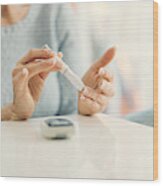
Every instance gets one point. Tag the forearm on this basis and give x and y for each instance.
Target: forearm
(6, 112)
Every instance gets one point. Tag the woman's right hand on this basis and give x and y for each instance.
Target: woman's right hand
(28, 80)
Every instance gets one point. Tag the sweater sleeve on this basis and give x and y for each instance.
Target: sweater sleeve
(68, 43)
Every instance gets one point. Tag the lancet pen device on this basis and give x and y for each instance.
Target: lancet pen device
(69, 74)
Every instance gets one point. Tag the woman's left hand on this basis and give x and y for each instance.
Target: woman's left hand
(99, 86)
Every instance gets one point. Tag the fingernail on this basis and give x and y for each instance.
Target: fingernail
(101, 71)
(85, 91)
(61, 54)
(51, 53)
(24, 71)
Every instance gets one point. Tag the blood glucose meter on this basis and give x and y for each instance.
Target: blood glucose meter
(60, 128)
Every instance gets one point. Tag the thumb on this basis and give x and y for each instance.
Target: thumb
(20, 81)
(105, 59)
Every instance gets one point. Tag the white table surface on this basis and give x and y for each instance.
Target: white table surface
(103, 147)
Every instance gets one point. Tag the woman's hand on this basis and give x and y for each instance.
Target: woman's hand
(28, 80)
(95, 97)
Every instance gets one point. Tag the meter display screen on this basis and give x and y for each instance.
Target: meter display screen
(58, 122)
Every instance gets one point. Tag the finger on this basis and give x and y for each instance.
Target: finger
(92, 94)
(20, 80)
(91, 105)
(60, 54)
(44, 75)
(36, 54)
(106, 88)
(105, 59)
(37, 68)
(55, 68)
(34, 68)
(105, 74)
(55, 59)
(18, 73)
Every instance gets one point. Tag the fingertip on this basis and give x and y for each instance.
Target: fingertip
(110, 53)
(60, 54)
(105, 59)
(113, 48)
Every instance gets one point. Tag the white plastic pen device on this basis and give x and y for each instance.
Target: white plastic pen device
(69, 74)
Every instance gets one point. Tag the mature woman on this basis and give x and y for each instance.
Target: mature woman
(30, 88)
